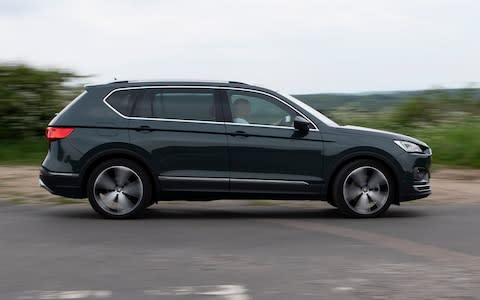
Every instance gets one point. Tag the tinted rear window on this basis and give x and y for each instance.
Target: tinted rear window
(122, 101)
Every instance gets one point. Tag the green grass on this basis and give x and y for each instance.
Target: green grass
(29, 151)
(454, 144)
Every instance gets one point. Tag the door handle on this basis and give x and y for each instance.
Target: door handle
(239, 133)
(144, 128)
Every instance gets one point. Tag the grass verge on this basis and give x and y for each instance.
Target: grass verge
(454, 144)
(29, 151)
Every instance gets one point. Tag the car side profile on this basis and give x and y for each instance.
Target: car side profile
(126, 145)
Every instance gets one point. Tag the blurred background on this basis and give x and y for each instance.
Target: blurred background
(446, 119)
(406, 66)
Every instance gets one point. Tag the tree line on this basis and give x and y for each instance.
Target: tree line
(30, 97)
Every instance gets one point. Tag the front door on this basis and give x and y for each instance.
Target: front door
(266, 154)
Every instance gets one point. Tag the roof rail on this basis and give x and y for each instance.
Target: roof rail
(165, 80)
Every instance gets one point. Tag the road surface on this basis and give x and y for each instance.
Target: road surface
(233, 251)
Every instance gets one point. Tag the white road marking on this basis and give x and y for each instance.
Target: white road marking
(343, 288)
(53, 295)
(227, 292)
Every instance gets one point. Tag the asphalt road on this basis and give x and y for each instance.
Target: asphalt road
(238, 252)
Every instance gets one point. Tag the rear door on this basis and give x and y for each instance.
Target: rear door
(267, 155)
(179, 128)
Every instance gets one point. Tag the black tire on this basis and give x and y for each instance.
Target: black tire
(384, 188)
(136, 177)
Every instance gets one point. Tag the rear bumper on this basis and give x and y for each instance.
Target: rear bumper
(62, 184)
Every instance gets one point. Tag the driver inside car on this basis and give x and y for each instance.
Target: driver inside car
(241, 110)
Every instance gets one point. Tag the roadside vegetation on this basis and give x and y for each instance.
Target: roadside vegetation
(448, 120)
(29, 98)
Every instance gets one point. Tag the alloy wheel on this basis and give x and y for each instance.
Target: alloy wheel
(366, 190)
(118, 190)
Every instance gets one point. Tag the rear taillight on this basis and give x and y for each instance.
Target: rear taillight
(57, 133)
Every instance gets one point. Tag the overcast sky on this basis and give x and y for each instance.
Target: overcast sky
(295, 46)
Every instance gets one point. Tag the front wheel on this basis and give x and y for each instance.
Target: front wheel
(119, 189)
(364, 188)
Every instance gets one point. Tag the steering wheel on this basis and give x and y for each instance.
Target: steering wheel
(284, 121)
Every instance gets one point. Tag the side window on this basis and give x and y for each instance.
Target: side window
(121, 101)
(255, 108)
(142, 107)
(183, 104)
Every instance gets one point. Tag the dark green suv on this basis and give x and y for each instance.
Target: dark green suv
(126, 145)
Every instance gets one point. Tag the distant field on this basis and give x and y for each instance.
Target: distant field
(376, 101)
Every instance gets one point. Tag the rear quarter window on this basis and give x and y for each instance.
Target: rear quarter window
(121, 101)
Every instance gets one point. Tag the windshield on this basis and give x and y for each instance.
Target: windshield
(311, 110)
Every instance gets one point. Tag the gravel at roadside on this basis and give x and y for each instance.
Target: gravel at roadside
(20, 184)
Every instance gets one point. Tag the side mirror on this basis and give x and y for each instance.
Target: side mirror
(301, 124)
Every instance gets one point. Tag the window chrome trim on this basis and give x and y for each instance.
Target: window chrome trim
(199, 121)
(261, 125)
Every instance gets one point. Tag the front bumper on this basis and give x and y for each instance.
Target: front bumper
(416, 178)
(416, 192)
(62, 184)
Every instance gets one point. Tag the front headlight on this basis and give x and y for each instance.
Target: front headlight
(409, 146)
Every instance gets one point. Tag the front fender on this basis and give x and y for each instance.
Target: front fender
(334, 162)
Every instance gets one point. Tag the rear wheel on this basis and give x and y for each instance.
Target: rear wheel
(364, 188)
(119, 189)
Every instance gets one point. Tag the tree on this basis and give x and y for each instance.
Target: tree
(30, 97)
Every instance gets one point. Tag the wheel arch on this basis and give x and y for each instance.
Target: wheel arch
(115, 152)
(384, 158)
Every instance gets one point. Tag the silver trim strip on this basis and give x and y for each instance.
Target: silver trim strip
(422, 187)
(62, 174)
(272, 181)
(203, 122)
(43, 185)
(235, 180)
(219, 179)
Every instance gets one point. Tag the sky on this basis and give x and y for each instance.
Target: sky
(299, 46)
